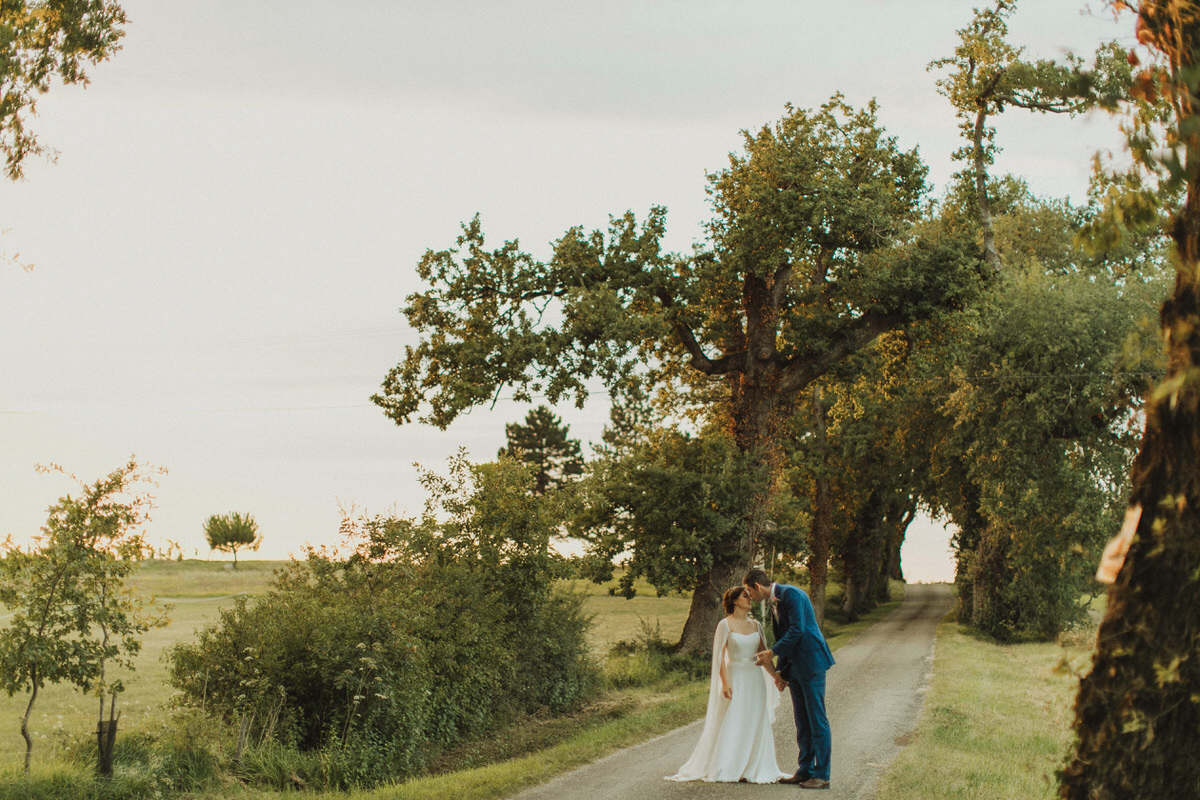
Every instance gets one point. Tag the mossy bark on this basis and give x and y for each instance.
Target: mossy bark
(1138, 710)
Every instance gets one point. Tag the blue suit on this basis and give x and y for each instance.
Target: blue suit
(803, 657)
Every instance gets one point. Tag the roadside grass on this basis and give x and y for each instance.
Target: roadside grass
(996, 722)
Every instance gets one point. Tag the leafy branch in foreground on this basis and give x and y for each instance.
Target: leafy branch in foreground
(41, 40)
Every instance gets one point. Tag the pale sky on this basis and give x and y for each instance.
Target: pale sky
(223, 246)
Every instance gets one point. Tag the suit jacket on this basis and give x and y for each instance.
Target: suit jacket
(799, 644)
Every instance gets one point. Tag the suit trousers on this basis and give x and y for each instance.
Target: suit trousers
(813, 736)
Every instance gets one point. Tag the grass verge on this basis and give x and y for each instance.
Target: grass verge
(996, 722)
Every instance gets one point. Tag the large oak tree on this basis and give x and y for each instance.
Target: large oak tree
(817, 245)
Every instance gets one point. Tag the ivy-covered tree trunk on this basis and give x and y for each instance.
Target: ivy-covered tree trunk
(1138, 710)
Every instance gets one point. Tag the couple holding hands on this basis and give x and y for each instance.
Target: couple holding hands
(737, 744)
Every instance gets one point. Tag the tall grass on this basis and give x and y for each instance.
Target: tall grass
(996, 721)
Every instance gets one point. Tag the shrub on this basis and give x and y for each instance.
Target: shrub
(647, 659)
(429, 633)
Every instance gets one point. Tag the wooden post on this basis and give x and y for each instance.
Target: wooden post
(106, 739)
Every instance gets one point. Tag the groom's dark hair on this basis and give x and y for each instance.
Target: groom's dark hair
(756, 577)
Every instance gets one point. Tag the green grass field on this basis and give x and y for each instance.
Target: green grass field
(195, 592)
(995, 724)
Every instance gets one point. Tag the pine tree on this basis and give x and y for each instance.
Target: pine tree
(542, 442)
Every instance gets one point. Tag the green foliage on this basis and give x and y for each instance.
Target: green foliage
(429, 633)
(987, 75)
(675, 505)
(543, 444)
(72, 614)
(232, 532)
(41, 40)
(1045, 424)
(814, 250)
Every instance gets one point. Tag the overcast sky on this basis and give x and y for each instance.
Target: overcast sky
(242, 194)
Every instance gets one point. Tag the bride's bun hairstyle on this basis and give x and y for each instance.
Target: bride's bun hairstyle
(731, 596)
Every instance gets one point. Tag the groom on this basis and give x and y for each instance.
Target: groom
(803, 658)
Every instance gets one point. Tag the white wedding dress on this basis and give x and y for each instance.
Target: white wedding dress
(737, 741)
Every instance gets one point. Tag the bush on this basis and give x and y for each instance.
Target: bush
(646, 660)
(353, 671)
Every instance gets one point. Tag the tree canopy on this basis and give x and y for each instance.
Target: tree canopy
(232, 532)
(816, 246)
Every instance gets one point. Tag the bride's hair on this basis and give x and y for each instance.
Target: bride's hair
(731, 596)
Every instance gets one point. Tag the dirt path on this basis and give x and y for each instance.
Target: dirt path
(874, 697)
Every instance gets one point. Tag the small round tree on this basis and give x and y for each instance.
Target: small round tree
(232, 532)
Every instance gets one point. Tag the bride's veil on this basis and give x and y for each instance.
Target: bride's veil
(696, 766)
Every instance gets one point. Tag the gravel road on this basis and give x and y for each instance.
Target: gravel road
(874, 695)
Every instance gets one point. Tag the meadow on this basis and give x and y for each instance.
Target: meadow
(192, 594)
(995, 724)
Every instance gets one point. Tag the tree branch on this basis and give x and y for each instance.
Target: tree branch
(800, 371)
(731, 362)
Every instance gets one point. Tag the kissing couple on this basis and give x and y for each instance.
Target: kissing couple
(737, 744)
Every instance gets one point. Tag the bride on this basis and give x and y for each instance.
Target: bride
(737, 743)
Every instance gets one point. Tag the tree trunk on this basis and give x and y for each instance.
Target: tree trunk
(821, 532)
(965, 542)
(982, 202)
(706, 609)
(754, 420)
(33, 693)
(864, 557)
(755, 405)
(106, 740)
(894, 570)
(1138, 710)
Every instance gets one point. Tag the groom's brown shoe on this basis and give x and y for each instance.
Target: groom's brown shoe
(815, 783)
(798, 780)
